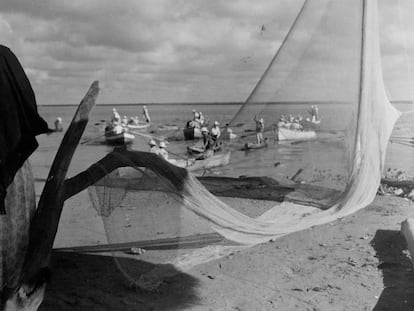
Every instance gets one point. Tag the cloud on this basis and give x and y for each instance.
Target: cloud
(160, 50)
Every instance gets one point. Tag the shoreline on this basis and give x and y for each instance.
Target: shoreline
(231, 103)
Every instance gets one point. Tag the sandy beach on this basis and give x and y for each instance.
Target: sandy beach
(359, 262)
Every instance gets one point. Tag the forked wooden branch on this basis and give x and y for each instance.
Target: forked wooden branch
(121, 158)
(46, 219)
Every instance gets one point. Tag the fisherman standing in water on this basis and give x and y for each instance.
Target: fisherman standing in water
(146, 114)
(259, 129)
(116, 118)
(208, 144)
(58, 125)
(215, 131)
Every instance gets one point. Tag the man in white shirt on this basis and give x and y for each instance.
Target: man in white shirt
(215, 131)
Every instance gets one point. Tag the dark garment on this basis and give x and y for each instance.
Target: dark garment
(259, 127)
(208, 142)
(19, 119)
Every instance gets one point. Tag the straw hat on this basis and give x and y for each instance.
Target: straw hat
(152, 143)
(216, 123)
(204, 130)
(162, 144)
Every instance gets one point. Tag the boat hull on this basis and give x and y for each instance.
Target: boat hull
(119, 139)
(192, 133)
(249, 146)
(197, 148)
(288, 134)
(140, 126)
(211, 162)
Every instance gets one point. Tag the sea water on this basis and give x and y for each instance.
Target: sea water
(323, 161)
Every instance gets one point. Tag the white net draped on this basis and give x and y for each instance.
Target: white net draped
(331, 55)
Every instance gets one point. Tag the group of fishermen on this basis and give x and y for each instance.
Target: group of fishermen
(198, 120)
(160, 150)
(210, 141)
(118, 124)
(296, 123)
(291, 122)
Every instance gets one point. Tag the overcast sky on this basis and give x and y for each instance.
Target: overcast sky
(171, 50)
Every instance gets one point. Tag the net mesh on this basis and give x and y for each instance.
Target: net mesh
(330, 58)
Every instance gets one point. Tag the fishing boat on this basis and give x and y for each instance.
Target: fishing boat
(288, 134)
(191, 133)
(249, 146)
(119, 139)
(193, 164)
(139, 126)
(117, 135)
(198, 147)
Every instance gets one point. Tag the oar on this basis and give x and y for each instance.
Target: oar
(297, 174)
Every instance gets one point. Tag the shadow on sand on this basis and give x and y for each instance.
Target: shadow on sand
(91, 282)
(398, 275)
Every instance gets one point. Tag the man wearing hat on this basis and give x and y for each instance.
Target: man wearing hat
(259, 129)
(162, 152)
(208, 143)
(153, 146)
(116, 118)
(146, 114)
(215, 131)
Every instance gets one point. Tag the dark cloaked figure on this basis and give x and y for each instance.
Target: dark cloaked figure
(19, 120)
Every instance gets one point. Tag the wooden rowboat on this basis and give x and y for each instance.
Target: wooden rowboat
(288, 134)
(139, 126)
(193, 164)
(249, 146)
(198, 148)
(119, 139)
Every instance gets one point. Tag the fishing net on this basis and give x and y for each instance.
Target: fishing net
(161, 219)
